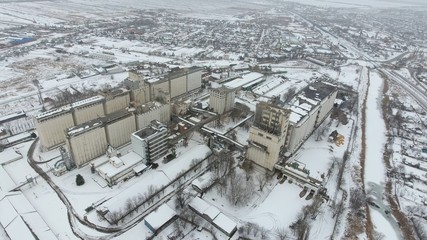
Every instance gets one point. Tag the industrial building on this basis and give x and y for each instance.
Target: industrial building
(150, 111)
(308, 110)
(116, 100)
(267, 135)
(150, 142)
(118, 168)
(88, 109)
(160, 218)
(214, 216)
(175, 83)
(221, 99)
(52, 125)
(90, 140)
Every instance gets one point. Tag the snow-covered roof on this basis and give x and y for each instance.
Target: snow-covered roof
(18, 216)
(87, 101)
(129, 161)
(199, 205)
(217, 217)
(225, 223)
(53, 112)
(160, 216)
(244, 80)
(9, 155)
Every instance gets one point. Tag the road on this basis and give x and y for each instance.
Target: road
(417, 91)
(75, 220)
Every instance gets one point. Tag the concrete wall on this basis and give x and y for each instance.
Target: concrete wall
(155, 88)
(297, 134)
(138, 147)
(117, 103)
(270, 156)
(194, 81)
(161, 114)
(52, 131)
(326, 107)
(87, 146)
(221, 102)
(87, 113)
(178, 86)
(118, 133)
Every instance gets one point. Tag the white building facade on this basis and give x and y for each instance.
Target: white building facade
(221, 99)
(150, 142)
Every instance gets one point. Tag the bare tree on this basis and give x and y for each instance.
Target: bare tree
(181, 198)
(262, 181)
(238, 189)
(357, 198)
(281, 233)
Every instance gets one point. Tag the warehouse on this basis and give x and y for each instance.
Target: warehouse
(213, 216)
(160, 218)
(119, 168)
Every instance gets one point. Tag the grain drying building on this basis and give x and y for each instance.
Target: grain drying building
(267, 135)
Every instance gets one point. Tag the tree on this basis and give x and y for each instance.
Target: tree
(181, 198)
(357, 198)
(281, 233)
(262, 181)
(238, 190)
(80, 180)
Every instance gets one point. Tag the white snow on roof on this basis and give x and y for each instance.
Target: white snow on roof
(244, 80)
(6, 183)
(160, 216)
(212, 212)
(7, 212)
(199, 204)
(217, 217)
(139, 168)
(9, 155)
(128, 160)
(18, 230)
(54, 111)
(87, 101)
(225, 223)
(18, 216)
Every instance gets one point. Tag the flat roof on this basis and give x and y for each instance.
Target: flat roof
(99, 122)
(160, 216)
(87, 101)
(244, 80)
(129, 161)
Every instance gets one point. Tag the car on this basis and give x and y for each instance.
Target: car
(199, 228)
